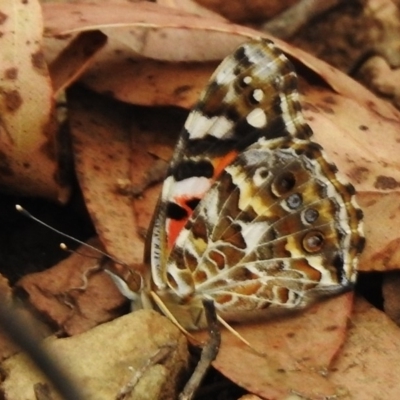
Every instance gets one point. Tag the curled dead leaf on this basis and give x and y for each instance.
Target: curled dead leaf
(74, 294)
(28, 145)
(148, 29)
(70, 63)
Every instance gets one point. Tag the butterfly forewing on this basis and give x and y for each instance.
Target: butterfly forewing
(252, 95)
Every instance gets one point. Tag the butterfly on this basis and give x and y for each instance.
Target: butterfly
(252, 215)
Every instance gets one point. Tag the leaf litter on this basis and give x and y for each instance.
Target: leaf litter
(318, 353)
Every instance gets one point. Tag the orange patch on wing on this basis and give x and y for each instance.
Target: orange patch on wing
(221, 162)
(175, 226)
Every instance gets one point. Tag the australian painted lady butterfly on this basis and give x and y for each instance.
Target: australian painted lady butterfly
(252, 215)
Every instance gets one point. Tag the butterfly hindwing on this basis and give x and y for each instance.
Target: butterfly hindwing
(285, 232)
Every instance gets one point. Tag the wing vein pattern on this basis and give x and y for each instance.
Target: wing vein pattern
(252, 214)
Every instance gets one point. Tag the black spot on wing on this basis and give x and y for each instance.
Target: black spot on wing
(192, 203)
(244, 135)
(232, 114)
(291, 84)
(176, 212)
(242, 59)
(248, 134)
(189, 168)
(338, 264)
(360, 244)
(239, 54)
(210, 145)
(213, 86)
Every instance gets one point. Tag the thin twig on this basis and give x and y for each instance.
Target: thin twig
(208, 354)
(157, 358)
(42, 391)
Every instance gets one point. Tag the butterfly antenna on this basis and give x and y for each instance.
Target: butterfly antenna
(62, 245)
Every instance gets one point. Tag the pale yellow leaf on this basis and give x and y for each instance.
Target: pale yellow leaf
(28, 150)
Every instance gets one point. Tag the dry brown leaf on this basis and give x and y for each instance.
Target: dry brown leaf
(54, 45)
(145, 206)
(258, 10)
(147, 82)
(381, 211)
(297, 352)
(200, 39)
(377, 74)
(120, 71)
(153, 138)
(116, 151)
(154, 133)
(102, 148)
(74, 294)
(364, 145)
(391, 295)
(156, 37)
(27, 124)
(190, 6)
(365, 368)
(298, 16)
(219, 40)
(368, 368)
(71, 63)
